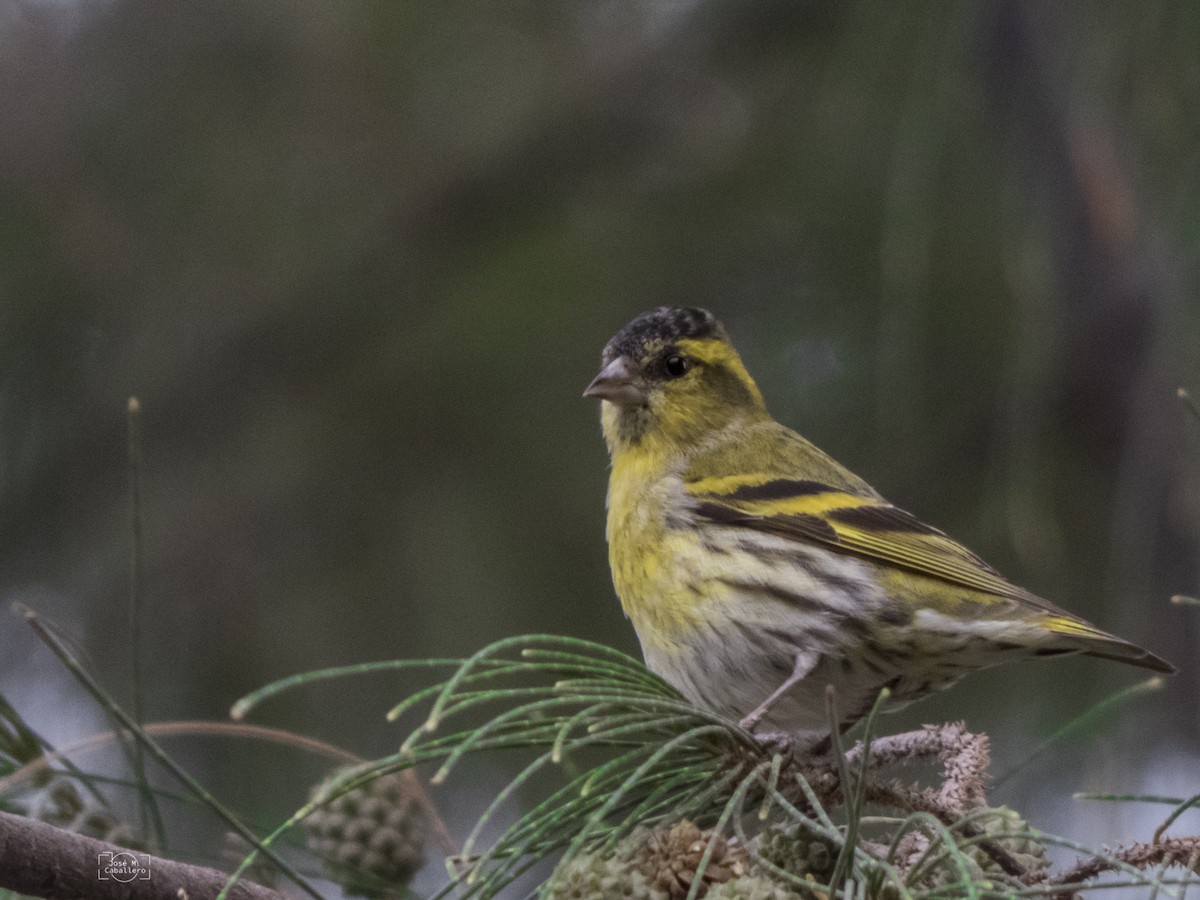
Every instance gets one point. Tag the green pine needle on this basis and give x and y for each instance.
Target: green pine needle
(630, 753)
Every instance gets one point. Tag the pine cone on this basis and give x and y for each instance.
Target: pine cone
(61, 803)
(58, 803)
(754, 887)
(797, 850)
(670, 858)
(103, 825)
(661, 865)
(1005, 826)
(593, 877)
(373, 837)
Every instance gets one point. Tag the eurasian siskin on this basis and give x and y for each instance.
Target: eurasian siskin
(757, 570)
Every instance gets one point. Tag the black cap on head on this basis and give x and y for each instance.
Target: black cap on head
(665, 324)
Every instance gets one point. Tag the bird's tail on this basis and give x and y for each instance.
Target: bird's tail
(1092, 641)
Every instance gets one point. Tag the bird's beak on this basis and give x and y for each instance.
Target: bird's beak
(617, 383)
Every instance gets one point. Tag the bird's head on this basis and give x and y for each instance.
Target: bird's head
(670, 378)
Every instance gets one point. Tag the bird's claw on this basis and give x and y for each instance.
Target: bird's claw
(776, 741)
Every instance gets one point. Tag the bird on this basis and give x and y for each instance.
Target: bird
(760, 575)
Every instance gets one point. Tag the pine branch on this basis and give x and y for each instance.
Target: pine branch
(1174, 852)
(634, 756)
(964, 755)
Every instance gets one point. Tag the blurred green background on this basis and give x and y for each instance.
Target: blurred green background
(358, 261)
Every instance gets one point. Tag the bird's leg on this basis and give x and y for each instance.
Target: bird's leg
(777, 742)
(800, 669)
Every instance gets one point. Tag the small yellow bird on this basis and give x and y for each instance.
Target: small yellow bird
(756, 570)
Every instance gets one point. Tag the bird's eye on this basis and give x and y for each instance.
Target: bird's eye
(676, 366)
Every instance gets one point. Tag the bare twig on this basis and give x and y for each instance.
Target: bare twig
(1183, 852)
(964, 756)
(43, 861)
(965, 759)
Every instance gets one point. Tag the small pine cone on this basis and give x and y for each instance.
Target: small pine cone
(914, 848)
(948, 872)
(797, 850)
(755, 887)
(372, 837)
(124, 836)
(590, 876)
(1005, 827)
(61, 803)
(94, 822)
(670, 858)
(58, 803)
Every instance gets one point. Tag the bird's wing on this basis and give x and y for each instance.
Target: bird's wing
(798, 493)
(862, 525)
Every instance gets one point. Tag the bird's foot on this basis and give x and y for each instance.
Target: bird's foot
(777, 742)
(801, 668)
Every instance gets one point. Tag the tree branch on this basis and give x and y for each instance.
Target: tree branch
(1179, 852)
(43, 861)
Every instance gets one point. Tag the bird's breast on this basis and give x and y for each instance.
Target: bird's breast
(652, 554)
